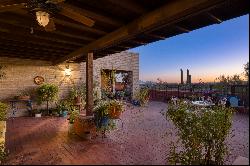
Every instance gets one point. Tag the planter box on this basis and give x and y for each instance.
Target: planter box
(84, 124)
(38, 115)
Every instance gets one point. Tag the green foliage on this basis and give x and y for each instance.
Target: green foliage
(73, 115)
(47, 92)
(3, 154)
(3, 111)
(202, 133)
(142, 96)
(117, 104)
(63, 105)
(80, 91)
(102, 108)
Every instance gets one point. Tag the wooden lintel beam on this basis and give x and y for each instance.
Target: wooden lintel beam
(214, 18)
(166, 15)
(182, 29)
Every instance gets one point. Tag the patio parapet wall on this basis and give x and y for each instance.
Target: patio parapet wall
(20, 75)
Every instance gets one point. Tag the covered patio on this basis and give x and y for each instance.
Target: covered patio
(88, 36)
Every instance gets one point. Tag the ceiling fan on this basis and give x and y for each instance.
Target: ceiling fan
(46, 10)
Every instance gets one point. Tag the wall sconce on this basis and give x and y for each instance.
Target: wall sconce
(67, 71)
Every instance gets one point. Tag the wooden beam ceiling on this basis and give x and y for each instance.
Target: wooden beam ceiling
(168, 14)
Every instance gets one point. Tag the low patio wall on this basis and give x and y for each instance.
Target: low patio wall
(20, 74)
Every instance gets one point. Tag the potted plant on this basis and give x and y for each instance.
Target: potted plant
(3, 118)
(202, 134)
(73, 115)
(63, 107)
(37, 113)
(115, 109)
(23, 96)
(101, 113)
(47, 93)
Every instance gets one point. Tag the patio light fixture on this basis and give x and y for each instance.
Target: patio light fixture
(42, 18)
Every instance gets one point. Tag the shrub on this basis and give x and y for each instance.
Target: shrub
(202, 133)
(142, 96)
(3, 111)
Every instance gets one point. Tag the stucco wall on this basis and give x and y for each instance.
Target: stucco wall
(20, 74)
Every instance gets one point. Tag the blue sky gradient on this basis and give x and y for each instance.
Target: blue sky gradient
(207, 52)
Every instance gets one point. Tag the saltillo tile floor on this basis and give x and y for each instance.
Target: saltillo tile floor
(142, 139)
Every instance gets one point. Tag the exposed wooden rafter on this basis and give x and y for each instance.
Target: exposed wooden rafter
(181, 28)
(95, 16)
(155, 36)
(214, 18)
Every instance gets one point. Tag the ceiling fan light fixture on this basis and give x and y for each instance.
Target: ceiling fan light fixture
(42, 18)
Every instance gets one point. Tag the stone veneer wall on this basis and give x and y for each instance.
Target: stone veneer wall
(20, 74)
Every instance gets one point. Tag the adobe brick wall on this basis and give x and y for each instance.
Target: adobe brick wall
(20, 75)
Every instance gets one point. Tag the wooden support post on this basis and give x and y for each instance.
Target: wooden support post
(89, 85)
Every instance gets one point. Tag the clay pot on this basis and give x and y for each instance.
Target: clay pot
(114, 113)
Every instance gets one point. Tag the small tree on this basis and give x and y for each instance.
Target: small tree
(48, 93)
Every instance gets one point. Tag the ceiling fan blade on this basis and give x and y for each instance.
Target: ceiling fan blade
(51, 26)
(76, 14)
(12, 7)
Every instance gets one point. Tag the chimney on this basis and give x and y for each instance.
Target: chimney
(182, 77)
(187, 76)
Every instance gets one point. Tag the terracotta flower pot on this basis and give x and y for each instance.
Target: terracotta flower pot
(114, 113)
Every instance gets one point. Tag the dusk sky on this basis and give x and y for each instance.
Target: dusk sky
(207, 52)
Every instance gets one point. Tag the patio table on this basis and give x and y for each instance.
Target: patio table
(202, 103)
(15, 108)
